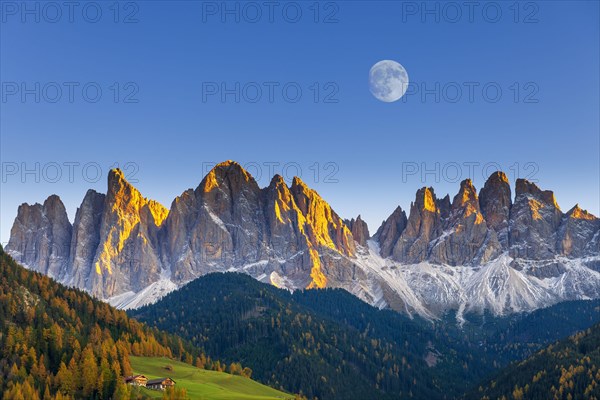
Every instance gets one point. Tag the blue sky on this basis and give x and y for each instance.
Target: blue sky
(158, 119)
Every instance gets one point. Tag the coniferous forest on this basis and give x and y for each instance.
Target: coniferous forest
(327, 344)
(60, 343)
(568, 369)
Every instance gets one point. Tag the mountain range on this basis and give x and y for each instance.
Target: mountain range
(477, 251)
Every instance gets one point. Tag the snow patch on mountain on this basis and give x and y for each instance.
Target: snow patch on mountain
(149, 295)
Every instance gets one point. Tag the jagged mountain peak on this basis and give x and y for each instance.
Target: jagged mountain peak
(45, 248)
(359, 229)
(425, 199)
(578, 213)
(277, 180)
(495, 202)
(126, 199)
(497, 185)
(397, 210)
(390, 230)
(91, 193)
(466, 203)
(117, 182)
(467, 194)
(53, 200)
(115, 173)
(298, 184)
(497, 177)
(228, 173)
(525, 187)
(326, 227)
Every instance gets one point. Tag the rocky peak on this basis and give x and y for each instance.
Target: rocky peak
(281, 208)
(277, 181)
(280, 196)
(466, 203)
(40, 237)
(302, 194)
(389, 232)
(425, 200)
(466, 238)
(228, 191)
(578, 213)
(359, 229)
(578, 234)
(530, 189)
(126, 201)
(326, 228)
(423, 224)
(236, 224)
(495, 202)
(86, 237)
(228, 174)
(534, 220)
(128, 236)
(53, 205)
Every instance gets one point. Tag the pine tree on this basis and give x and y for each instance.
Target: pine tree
(89, 372)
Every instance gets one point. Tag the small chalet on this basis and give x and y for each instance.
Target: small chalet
(160, 383)
(136, 380)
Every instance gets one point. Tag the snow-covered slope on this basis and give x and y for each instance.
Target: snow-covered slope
(428, 289)
(148, 295)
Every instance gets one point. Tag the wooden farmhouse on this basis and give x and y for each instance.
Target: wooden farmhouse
(136, 380)
(160, 383)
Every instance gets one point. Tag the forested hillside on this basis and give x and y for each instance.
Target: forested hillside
(498, 341)
(323, 343)
(328, 344)
(61, 343)
(568, 369)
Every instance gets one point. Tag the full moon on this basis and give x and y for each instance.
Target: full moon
(388, 80)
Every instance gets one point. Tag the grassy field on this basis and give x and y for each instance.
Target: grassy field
(203, 384)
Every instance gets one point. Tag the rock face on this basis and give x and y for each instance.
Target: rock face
(466, 239)
(40, 237)
(423, 225)
(481, 250)
(359, 229)
(127, 256)
(229, 222)
(495, 202)
(578, 233)
(112, 247)
(444, 206)
(206, 225)
(534, 221)
(390, 230)
(86, 238)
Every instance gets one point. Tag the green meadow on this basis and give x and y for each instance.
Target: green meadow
(203, 384)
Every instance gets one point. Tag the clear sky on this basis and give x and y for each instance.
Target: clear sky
(163, 114)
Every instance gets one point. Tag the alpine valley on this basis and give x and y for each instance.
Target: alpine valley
(478, 252)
